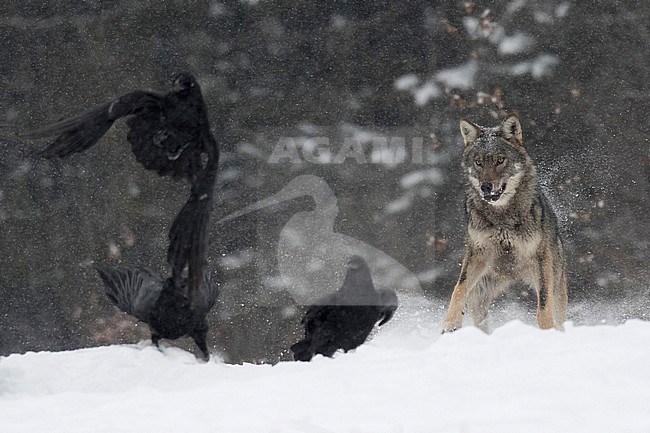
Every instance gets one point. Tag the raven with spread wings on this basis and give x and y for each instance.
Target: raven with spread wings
(169, 133)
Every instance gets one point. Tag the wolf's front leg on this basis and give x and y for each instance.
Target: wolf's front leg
(470, 272)
(454, 318)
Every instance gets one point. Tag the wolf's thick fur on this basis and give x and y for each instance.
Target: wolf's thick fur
(512, 232)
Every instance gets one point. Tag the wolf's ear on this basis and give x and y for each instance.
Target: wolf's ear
(511, 128)
(469, 130)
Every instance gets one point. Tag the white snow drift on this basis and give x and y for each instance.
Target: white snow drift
(408, 378)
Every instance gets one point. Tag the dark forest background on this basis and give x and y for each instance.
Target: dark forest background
(575, 71)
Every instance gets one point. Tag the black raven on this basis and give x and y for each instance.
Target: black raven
(344, 319)
(168, 133)
(160, 303)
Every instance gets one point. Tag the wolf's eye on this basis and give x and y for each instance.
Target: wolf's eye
(478, 162)
(500, 160)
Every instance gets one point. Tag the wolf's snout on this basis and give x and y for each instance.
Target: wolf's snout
(490, 193)
(486, 188)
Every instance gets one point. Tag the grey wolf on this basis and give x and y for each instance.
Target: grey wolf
(345, 318)
(512, 231)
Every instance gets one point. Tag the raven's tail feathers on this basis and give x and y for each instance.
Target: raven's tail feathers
(388, 305)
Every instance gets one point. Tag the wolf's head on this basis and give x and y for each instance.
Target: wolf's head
(494, 159)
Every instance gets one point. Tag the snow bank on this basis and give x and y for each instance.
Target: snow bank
(518, 379)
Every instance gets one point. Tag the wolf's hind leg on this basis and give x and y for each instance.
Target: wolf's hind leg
(545, 318)
(546, 288)
(479, 307)
(480, 299)
(560, 292)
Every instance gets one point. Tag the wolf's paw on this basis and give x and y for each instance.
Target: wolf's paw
(450, 326)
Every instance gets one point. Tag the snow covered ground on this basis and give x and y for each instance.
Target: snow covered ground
(408, 378)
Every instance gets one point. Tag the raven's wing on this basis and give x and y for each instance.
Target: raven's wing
(319, 309)
(188, 242)
(206, 296)
(134, 291)
(188, 236)
(388, 305)
(317, 336)
(79, 133)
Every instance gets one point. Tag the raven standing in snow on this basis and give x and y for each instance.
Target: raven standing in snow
(344, 319)
(169, 133)
(160, 303)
